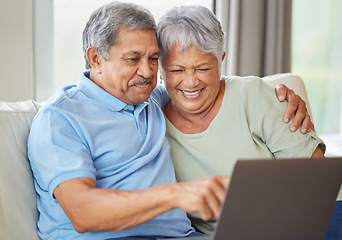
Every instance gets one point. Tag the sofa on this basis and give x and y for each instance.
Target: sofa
(18, 211)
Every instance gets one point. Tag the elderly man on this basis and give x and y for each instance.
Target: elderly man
(98, 151)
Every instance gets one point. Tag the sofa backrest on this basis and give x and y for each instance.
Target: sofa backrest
(291, 81)
(18, 211)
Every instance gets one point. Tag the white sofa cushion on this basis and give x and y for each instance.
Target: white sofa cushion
(18, 212)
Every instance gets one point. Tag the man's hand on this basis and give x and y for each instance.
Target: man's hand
(296, 106)
(204, 196)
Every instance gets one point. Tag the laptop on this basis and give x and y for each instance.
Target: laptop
(283, 199)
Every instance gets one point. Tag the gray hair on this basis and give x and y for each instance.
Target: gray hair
(190, 25)
(103, 25)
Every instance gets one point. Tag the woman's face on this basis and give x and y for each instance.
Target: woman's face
(192, 79)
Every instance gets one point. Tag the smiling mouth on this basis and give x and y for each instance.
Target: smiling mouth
(191, 94)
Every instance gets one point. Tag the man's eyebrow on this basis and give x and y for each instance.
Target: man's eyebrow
(156, 54)
(132, 53)
(136, 53)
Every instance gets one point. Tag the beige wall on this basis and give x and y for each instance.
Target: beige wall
(16, 50)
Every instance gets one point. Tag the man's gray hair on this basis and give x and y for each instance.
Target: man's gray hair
(103, 25)
(190, 25)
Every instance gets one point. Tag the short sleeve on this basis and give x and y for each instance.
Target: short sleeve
(57, 150)
(267, 126)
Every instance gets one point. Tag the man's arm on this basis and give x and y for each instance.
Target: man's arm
(92, 209)
(296, 106)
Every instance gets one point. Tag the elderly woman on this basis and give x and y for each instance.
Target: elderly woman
(213, 120)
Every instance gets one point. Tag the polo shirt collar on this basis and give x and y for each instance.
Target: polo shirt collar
(93, 91)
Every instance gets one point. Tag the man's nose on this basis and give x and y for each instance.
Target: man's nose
(145, 69)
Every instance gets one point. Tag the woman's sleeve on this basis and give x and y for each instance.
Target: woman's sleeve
(265, 114)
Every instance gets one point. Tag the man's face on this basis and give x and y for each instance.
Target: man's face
(130, 73)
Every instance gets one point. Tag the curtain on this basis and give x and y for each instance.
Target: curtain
(258, 36)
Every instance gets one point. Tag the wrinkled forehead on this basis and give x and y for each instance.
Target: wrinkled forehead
(123, 31)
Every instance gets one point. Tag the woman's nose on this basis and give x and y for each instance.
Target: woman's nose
(190, 79)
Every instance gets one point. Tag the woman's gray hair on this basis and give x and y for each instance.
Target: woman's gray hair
(190, 25)
(103, 25)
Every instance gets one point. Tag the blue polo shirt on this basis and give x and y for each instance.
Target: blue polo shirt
(83, 131)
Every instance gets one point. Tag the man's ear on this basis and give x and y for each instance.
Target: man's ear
(94, 59)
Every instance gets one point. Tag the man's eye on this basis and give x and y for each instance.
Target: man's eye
(154, 60)
(133, 59)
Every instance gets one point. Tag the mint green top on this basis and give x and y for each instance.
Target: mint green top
(249, 125)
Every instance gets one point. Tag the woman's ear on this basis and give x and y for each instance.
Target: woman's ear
(94, 59)
(161, 72)
(223, 56)
(161, 75)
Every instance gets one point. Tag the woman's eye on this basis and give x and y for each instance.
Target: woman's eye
(176, 70)
(203, 69)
